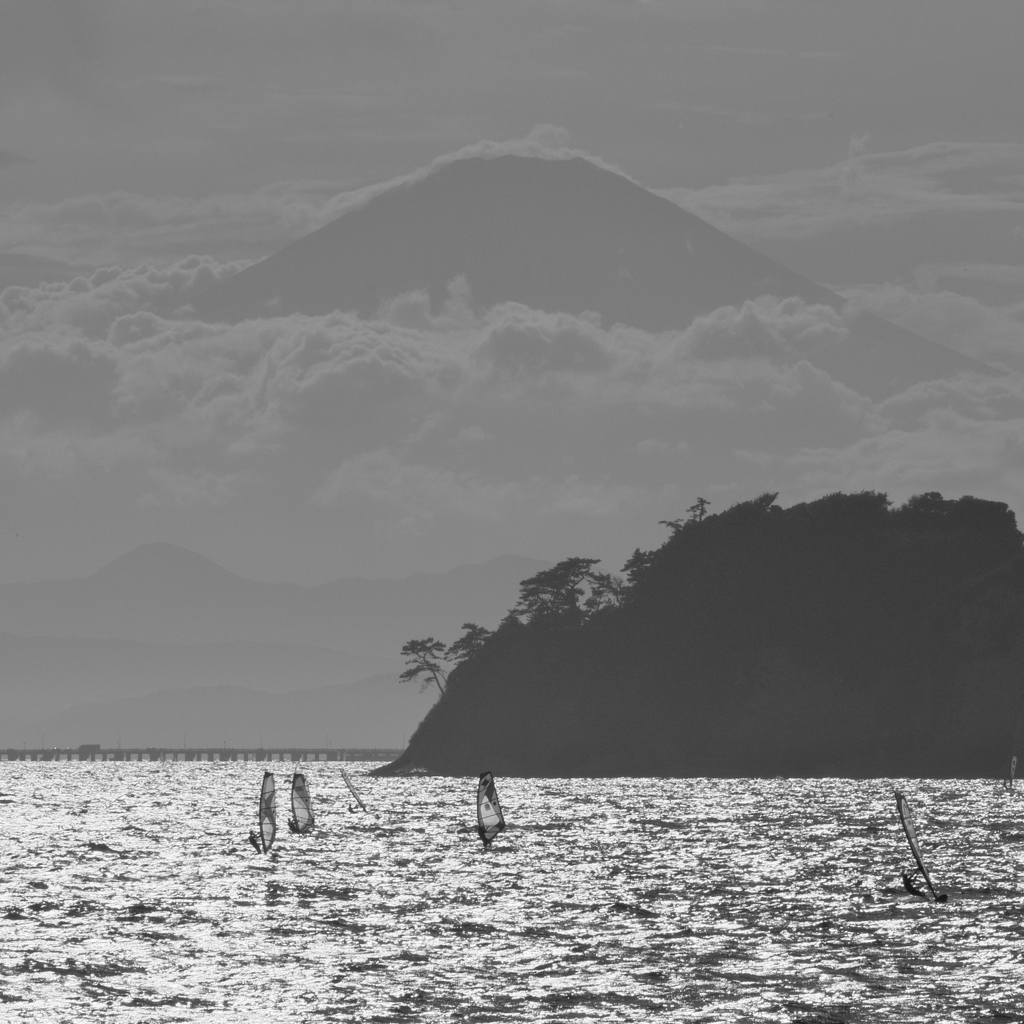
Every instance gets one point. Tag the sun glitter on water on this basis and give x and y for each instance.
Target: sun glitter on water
(131, 893)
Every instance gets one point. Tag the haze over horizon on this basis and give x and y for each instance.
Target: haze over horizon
(876, 153)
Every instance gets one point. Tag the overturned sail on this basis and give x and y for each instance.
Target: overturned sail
(352, 790)
(907, 821)
(489, 819)
(302, 805)
(268, 812)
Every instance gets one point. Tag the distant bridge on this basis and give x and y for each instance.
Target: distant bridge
(93, 752)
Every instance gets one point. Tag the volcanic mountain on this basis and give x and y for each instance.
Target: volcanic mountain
(560, 235)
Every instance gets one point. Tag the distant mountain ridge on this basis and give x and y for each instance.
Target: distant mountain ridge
(161, 619)
(561, 235)
(162, 593)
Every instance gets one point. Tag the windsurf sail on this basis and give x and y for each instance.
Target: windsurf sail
(907, 821)
(489, 819)
(1008, 781)
(352, 790)
(302, 805)
(268, 812)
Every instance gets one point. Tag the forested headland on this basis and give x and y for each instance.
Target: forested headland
(840, 637)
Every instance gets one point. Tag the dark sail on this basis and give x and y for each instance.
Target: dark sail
(490, 821)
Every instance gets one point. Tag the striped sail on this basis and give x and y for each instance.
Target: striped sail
(489, 819)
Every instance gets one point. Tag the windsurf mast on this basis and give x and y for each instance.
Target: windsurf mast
(489, 819)
(907, 821)
(302, 805)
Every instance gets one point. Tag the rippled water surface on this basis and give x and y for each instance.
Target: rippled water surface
(605, 900)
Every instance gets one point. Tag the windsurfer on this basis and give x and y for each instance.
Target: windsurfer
(489, 819)
(255, 840)
(908, 884)
(293, 826)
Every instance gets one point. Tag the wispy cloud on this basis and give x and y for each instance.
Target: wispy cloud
(866, 189)
(990, 332)
(126, 228)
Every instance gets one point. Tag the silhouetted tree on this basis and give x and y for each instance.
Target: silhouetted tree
(636, 565)
(698, 510)
(472, 639)
(423, 658)
(557, 591)
(606, 591)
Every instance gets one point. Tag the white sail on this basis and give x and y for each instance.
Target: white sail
(490, 821)
(302, 805)
(268, 812)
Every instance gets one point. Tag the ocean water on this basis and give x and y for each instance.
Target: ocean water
(128, 892)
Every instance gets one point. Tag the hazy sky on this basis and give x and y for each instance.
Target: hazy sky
(877, 147)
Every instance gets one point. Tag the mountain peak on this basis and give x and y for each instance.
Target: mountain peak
(560, 235)
(162, 562)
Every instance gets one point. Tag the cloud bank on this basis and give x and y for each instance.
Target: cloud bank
(512, 419)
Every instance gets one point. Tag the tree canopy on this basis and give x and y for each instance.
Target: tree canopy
(423, 658)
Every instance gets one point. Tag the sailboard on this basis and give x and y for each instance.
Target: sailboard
(352, 790)
(907, 821)
(302, 806)
(263, 840)
(489, 819)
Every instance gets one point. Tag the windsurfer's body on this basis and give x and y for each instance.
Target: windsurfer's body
(255, 840)
(908, 883)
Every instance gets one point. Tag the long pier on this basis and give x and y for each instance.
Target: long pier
(93, 752)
